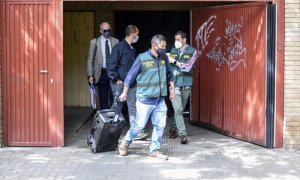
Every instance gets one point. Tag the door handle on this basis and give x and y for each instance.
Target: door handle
(44, 71)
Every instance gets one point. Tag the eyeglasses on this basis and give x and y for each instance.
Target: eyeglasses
(106, 30)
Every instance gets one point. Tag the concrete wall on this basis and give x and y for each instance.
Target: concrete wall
(291, 133)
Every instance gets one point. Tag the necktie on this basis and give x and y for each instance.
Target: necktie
(107, 52)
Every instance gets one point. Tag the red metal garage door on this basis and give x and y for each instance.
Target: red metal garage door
(32, 74)
(229, 92)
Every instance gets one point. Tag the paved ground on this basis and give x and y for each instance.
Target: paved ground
(208, 156)
(75, 119)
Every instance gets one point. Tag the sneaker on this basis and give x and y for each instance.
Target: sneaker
(123, 148)
(158, 155)
(141, 136)
(172, 134)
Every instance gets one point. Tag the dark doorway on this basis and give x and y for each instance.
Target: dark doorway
(150, 23)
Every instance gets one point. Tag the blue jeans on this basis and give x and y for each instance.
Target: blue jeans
(158, 113)
(131, 100)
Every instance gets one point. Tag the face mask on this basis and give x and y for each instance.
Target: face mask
(178, 44)
(135, 40)
(161, 51)
(106, 34)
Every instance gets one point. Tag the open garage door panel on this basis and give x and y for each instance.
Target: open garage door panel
(229, 90)
(32, 73)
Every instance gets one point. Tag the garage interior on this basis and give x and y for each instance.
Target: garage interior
(81, 24)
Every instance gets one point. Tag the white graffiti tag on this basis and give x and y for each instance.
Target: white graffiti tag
(231, 51)
(203, 34)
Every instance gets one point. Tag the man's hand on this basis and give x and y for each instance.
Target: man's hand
(171, 60)
(178, 64)
(123, 97)
(172, 91)
(91, 80)
(172, 95)
(119, 82)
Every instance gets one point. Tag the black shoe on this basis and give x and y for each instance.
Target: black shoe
(184, 140)
(172, 134)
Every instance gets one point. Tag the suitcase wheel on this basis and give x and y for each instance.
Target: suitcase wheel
(93, 151)
(89, 143)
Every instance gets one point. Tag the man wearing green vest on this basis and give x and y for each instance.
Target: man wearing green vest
(151, 70)
(182, 59)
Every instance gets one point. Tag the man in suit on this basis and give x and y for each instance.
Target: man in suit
(99, 52)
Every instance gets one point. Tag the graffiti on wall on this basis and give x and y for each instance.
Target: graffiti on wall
(228, 49)
(204, 33)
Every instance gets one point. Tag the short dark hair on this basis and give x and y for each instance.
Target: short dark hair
(181, 33)
(130, 29)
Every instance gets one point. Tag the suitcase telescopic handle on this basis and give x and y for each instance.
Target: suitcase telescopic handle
(118, 111)
(116, 118)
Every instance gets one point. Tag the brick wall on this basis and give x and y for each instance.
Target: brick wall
(291, 133)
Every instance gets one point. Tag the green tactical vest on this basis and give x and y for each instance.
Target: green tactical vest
(152, 81)
(182, 78)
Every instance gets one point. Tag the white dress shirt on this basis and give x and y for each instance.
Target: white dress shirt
(103, 39)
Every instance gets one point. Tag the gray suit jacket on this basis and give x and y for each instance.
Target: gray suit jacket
(94, 63)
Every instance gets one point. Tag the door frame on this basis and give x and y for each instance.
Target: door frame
(59, 118)
(279, 71)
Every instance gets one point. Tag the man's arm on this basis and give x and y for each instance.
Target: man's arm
(113, 64)
(91, 60)
(171, 80)
(131, 77)
(170, 75)
(133, 72)
(187, 67)
(172, 91)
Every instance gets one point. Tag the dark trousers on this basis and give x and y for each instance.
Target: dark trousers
(131, 101)
(104, 91)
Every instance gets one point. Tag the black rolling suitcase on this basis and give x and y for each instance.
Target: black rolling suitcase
(106, 131)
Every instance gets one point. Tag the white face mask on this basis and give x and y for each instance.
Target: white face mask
(135, 40)
(178, 44)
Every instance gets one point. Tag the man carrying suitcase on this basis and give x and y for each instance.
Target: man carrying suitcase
(151, 70)
(120, 62)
